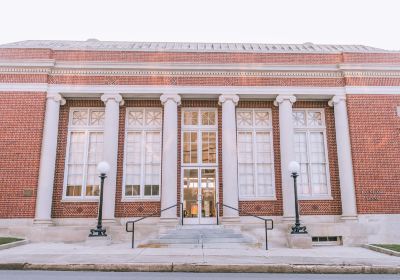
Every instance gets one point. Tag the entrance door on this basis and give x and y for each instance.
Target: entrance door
(199, 195)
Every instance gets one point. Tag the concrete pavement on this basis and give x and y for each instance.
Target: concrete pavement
(66, 275)
(79, 256)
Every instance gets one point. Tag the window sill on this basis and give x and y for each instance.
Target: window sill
(305, 198)
(272, 198)
(140, 199)
(80, 199)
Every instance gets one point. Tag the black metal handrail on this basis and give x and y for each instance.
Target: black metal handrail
(155, 214)
(251, 215)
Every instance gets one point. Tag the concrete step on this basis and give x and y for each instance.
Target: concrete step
(183, 236)
(201, 237)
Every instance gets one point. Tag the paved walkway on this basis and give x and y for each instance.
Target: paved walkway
(80, 253)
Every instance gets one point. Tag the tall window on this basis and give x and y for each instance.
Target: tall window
(311, 152)
(142, 164)
(255, 153)
(85, 151)
(199, 137)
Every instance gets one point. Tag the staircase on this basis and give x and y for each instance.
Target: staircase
(201, 236)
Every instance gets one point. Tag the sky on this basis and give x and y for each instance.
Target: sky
(367, 22)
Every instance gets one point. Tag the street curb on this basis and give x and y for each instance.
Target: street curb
(381, 250)
(204, 268)
(13, 244)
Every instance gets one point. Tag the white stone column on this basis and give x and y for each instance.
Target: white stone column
(110, 154)
(48, 159)
(169, 155)
(229, 154)
(347, 190)
(286, 132)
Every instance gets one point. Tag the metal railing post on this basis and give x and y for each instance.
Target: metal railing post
(217, 204)
(181, 213)
(133, 235)
(266, 235)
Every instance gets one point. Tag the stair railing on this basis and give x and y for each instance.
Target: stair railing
(155, 214)
(266, 221)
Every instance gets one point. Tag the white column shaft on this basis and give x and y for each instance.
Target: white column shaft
(347, 190)
(110, 153)
(48, 159)
(287, 152)
(169, 155)
(229, 154)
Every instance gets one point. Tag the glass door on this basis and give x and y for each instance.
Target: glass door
(199, 195)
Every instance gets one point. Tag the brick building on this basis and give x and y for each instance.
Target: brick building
(191, 124)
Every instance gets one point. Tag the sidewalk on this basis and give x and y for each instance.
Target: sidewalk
(120, 257)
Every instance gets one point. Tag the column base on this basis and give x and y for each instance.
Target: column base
(235, 220)
(108, 222)
(288, 219)
(349, 218)
(43, 222)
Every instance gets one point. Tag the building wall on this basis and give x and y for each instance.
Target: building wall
(21, 129)
(375, 138)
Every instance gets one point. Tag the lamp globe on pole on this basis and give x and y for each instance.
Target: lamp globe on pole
(103, 167)
(294, 168)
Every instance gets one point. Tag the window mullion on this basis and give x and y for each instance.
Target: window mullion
(85, 162)
(309, 162)
(255, 183)
(142, 162)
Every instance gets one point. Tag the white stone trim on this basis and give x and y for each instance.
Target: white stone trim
(48, 158)
(228, 97)
(344, 158)
(174, 97)
(133, 91)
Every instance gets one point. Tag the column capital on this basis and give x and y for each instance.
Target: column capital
(56, 97)
(228, 97)
(283, 97)
(336, 99)
(116, 97)
(173, 97)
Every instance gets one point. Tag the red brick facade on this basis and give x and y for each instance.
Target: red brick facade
(21, 130)
(375, 138)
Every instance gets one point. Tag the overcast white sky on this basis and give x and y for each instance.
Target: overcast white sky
(369, 22)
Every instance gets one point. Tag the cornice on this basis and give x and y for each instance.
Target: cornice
(202, 91)
(51, 67)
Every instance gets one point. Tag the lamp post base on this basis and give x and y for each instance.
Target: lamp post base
(97, 232)
(297, 229)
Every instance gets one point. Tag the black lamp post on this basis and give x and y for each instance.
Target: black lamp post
(294, 168)
(103, 167)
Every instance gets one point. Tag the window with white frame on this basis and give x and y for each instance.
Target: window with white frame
(84, 152)
(255, 153)
(311, 152)
(199, 137)
(142, 159)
